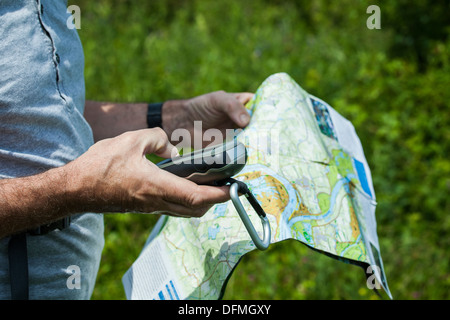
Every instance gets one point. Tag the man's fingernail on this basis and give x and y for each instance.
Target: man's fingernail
(175, 153)
(244, 118)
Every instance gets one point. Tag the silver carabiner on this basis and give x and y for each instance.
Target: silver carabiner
(236, 187)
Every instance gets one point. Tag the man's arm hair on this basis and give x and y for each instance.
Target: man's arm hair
(29, 202)
(113, 175)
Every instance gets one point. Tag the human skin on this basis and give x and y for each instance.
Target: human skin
(114, 175)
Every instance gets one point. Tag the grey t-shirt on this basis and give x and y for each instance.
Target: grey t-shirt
(41, 127)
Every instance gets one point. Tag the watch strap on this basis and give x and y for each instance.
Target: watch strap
(154, 118)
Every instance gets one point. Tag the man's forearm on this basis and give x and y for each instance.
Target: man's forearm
(29, 202)
(109, 120)
(114, 175)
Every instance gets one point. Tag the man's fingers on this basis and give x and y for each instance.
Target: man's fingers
(156, 142)
(181, 196)
(197, 203)
(167, 151)
(179, 211)
(244, 97)
(208, 195)
(187, 198)
(236, 108)
(194, 196)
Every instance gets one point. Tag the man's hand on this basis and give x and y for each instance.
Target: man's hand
(114, 175)
(219, 110)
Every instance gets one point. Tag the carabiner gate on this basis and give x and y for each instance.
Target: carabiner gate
(239, 186)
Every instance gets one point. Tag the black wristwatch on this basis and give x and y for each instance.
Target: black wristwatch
(154, 118)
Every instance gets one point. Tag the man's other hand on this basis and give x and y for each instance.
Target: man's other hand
(216, 110)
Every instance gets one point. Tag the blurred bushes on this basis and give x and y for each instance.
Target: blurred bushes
(391, 83)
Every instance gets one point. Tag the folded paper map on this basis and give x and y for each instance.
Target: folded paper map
(307, 169)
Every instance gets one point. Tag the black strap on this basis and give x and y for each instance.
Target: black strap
(18, 266)
(46, 228)
(18, 257)
(154, 112)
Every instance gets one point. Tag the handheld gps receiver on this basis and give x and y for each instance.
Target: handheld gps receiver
(215, 166)
(209, 165)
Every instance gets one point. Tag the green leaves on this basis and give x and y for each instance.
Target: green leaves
(391, 83)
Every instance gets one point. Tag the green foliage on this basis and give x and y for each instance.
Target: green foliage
(391, 83)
